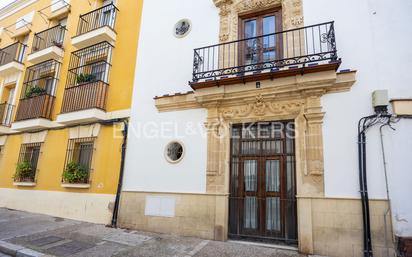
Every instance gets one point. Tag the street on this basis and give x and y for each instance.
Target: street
(62, 237)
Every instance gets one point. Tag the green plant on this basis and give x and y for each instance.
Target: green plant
(84, 78)
(23, 171)
(35, 91)
(75, 173)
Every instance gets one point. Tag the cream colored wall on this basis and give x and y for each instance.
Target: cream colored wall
(338, 230)
(89, 207)
(198, 215)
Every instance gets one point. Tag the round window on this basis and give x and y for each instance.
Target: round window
(174, 152)
(182, 28)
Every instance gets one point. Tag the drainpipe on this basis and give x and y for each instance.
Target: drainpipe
(381, 117)
(367, 240)
(120, 183)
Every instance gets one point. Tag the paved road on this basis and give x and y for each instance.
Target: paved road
(62, 237)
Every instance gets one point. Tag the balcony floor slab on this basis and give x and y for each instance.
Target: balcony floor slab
(83, 116)
(94, 37)
(33, 124)
(53, 52)
(10, 68)
(6, 130)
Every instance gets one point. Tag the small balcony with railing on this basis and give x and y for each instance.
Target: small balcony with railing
(11, 59)
(96, 26)
(37, 97)
(6, 117)
(285, 53)
(87, 85)
(47, 45)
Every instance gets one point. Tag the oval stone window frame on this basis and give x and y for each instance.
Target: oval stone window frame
(167, 151)
(179, 28)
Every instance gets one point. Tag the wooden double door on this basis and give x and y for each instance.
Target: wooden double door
(262, 203)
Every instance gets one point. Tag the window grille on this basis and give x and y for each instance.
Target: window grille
(79, 156)
(27, 164)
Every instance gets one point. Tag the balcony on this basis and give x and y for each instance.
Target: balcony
(48, 45)
(286, 53)
(87, 85)
(37, 97)
(6, 116)
(11, 59)
(96, 26)
(57, 10)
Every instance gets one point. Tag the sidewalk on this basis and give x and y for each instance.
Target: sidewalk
(41, 235)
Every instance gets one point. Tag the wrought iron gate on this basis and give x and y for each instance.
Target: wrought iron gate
(262, 202)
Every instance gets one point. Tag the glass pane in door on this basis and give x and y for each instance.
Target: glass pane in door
(250, 220)
(250, 173)
(251, 51)
(273, 213)
(272, 176)
(269, 41)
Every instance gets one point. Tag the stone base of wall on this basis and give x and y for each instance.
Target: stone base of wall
(197, 215)
(327, 226)
(338, 230)
(95, 208)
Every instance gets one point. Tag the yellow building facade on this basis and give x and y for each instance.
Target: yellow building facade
(66, 79)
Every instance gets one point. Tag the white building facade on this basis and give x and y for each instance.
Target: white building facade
(262, 143)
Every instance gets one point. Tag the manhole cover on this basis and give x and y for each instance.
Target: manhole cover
(69, 248)
(126, 239)
(46, 241)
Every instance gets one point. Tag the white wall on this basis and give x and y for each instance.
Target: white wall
(373, 37)
(164, 67)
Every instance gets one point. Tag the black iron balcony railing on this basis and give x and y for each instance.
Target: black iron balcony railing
(38, 92)
(51, 37)
(104, 16)
(6, 114)
(271, 52)
(87, 79)
(11, 53)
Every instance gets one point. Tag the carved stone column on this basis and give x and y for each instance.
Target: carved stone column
(313, 147)
(218, 139)
(224, 12)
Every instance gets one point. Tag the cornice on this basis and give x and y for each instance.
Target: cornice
(14, 7)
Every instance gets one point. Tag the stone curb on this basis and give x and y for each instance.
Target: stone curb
(19, 251)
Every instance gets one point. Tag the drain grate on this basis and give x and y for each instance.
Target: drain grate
(69, 248)
(46, 241)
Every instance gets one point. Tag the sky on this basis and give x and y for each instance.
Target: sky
(5, 2)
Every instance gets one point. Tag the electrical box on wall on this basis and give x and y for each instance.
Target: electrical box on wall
(380, 98)
(380, 101)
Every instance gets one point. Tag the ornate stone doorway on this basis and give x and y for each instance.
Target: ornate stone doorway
(262, 201)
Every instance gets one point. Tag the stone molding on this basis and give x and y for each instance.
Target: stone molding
(84, 131)
(295, 98)
(229, 11)
(39, 137)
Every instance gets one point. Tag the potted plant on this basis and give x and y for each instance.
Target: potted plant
(24, 172)
(35, 91)
(57, 43)
(84, 78)
(75, 173)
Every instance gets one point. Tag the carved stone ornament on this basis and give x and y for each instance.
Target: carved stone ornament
(230, 10)
(249, 5)
(261, 108)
